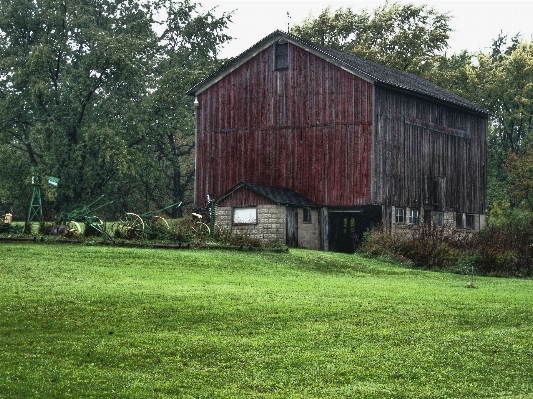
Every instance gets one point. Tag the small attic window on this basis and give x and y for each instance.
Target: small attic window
(281, 55)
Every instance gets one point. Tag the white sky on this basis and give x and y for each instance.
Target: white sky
(475, 23)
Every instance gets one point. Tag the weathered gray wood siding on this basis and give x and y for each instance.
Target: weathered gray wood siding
(427, 154)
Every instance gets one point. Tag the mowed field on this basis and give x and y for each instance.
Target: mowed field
(107, 322)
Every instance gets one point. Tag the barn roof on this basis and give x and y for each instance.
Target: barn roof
(281, 196)
(368, 70)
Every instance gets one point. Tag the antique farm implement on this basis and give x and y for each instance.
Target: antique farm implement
(149, 224)
(6, 225)
(85, 215)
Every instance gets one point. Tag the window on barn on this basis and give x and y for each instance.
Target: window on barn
(414, 216)
(281, 55)
(245, 215)
(439, 219)
(399, 215)
(470, 222)
(307, 215)
(459, 220)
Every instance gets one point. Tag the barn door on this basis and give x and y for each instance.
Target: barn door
(292, 227)
(342, 232)
(346, 228)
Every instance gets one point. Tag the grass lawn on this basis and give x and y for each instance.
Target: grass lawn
(105, 322)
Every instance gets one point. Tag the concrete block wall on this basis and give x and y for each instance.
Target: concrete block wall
(309, 233)
(270, 227)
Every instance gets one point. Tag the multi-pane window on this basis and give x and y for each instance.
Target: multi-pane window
(281, 56)
(470, 222)
(399, 215)
(459, 220)
(439, 219)
(414, 216)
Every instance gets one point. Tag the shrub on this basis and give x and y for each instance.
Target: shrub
(503, 248)
(435, 248)
(506, 245)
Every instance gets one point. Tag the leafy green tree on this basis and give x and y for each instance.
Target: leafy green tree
(404, 36)
(190, 53)
(520, 170)
(453, 73)
(82, 92)
(502, 82)
(71, 73)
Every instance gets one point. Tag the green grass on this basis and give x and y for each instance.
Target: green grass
(105, 322)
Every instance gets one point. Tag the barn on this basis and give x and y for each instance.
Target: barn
(334, 144)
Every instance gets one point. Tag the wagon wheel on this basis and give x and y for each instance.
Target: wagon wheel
(217, 230)
(158, 224)
(130, 226)
(201, 229)
(94, 225)
(73, 229)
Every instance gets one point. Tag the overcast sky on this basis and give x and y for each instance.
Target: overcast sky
(475, 23)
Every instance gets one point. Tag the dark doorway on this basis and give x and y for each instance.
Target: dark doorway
(346, 227)
(292, 227)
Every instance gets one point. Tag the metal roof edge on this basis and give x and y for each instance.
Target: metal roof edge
(239, 60)
(234, 63)
(328, 54)
(253, 187)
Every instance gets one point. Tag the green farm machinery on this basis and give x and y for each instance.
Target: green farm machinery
(7, 226)
(85, 215)
(149, 224)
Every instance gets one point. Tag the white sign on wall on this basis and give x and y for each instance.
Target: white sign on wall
(246, 215)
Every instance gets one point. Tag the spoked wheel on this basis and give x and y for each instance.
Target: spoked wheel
(130, 226)
(159, 225)
(73, 229)
(217, 232)
(201, 229)
(94, 226)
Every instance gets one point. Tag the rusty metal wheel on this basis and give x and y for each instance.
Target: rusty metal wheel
(130, 226)
(159, 225)
(201, 229)
(73, 229)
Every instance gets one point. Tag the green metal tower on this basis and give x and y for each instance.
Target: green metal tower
(35, 213)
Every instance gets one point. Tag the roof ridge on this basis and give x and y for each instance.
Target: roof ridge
(377, 72)
(280, 195)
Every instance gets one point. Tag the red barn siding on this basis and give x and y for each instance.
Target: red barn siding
(306, 128)
(244, 197)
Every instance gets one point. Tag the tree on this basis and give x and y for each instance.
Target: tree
(187, 57)
(453, 73)
(501, 81)
(404, 36)
(71, 74)
(81, 90)
(520, 170)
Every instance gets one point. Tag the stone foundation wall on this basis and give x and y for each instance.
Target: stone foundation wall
(449, 222)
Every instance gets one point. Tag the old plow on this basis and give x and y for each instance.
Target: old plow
(145, 225)
(70, 221)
